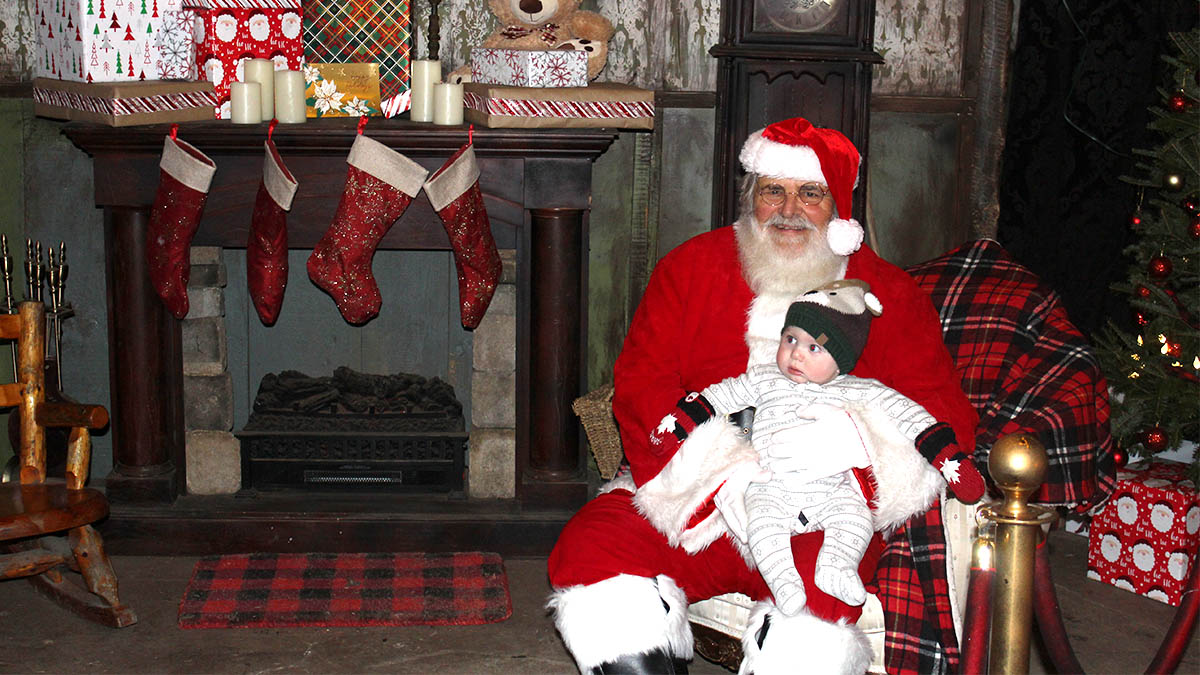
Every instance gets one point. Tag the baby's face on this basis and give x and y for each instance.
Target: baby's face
(802, 359)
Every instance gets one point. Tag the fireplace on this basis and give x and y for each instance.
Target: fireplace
(537, 189)
(354, 431)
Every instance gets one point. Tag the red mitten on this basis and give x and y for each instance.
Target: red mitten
(266, 249)
(938, 445)
(183, 182)
(454, 192)
(380, 185)
(673, 430)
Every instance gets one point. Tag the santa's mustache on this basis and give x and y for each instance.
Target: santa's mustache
(792, 223)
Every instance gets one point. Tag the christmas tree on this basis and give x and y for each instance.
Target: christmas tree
(1152, 362)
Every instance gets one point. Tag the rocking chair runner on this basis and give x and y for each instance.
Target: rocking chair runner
(36, 509)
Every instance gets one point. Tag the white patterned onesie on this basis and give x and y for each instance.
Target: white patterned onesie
(805, 437)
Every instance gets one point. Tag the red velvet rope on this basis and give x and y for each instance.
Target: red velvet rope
(1050, 624)
(977, 622)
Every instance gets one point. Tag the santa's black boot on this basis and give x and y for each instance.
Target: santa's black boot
(657, 662)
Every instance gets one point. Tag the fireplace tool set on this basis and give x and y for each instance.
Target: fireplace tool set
(52, 274)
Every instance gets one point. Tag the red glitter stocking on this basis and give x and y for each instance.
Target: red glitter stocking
(379, 187)
(454, 192)
(266, 249)
(184, 177)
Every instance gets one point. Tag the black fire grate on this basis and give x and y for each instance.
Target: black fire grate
(354, 432)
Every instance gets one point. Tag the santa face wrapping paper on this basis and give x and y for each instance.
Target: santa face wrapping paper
(228, 32)
(100, 40)
(1145, 538)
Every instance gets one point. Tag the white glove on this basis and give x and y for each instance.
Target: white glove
(730, 499)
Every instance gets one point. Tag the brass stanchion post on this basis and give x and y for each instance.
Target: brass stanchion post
(1017, 464)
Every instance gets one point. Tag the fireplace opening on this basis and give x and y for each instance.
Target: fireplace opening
(354, 432)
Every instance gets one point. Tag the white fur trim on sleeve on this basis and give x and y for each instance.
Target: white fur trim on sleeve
(906, 484)
(844, 236)
(703, 461)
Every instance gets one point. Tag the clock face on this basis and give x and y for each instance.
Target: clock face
(795, 16)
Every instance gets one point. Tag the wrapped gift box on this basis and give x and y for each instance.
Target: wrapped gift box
(94, 41)
(227, 32)
(341, 89)
(122, 104)
(363, 31)
(1144, 540)
(603, 104)
(529, 68)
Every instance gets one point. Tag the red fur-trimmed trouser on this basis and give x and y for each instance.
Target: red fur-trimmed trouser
(608, 540)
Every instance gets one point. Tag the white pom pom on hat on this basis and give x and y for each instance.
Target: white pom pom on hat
(797, 150)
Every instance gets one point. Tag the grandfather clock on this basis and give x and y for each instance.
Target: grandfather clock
(790, 58)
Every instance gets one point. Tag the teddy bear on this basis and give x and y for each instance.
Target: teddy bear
(547, 24)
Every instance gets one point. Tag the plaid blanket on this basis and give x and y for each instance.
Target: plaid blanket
(1025, 368)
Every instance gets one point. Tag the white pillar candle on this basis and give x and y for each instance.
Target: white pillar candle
(262, 71)
(289, 96)
(447, 103)
(245, 102)
(424, 74)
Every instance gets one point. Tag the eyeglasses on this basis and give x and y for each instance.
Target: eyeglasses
(809, 194)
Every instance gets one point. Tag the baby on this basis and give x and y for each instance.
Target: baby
(812, 446)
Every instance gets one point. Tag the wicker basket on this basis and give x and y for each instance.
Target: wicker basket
(595, 414)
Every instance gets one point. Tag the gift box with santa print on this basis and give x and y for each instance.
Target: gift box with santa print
(228, 32)
(99, 40)
(1144, 539)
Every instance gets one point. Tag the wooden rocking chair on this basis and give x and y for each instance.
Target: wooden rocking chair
(34, 510)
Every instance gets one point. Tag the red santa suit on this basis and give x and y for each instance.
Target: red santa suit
(690, 331)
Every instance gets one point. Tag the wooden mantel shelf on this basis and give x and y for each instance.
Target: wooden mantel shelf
(537, 191)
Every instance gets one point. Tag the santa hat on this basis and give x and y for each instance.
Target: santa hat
(838, 316)
(797, 150)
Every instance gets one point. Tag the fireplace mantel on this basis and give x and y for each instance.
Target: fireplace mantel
(537, 190)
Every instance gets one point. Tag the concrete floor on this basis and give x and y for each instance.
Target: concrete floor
(1113, 631)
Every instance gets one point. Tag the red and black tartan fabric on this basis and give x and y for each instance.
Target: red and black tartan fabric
(1025, 368)
(268, 590)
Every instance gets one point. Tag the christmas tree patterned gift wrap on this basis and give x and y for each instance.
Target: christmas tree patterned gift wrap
(363, 31)
(99, 40)
(228, 32)
(1144, 540)
(529, 68)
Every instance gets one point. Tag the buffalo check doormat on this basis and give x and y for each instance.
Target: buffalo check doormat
(267, 590)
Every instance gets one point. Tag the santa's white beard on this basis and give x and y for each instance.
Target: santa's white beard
(770, 270)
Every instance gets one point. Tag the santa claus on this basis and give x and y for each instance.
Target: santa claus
(627, 565)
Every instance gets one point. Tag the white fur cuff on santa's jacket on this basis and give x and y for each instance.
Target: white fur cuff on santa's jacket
(669, 500)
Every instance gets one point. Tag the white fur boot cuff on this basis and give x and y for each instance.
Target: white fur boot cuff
(620, 616)
(802, 643)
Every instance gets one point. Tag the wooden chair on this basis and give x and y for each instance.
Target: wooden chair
(36, 512)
